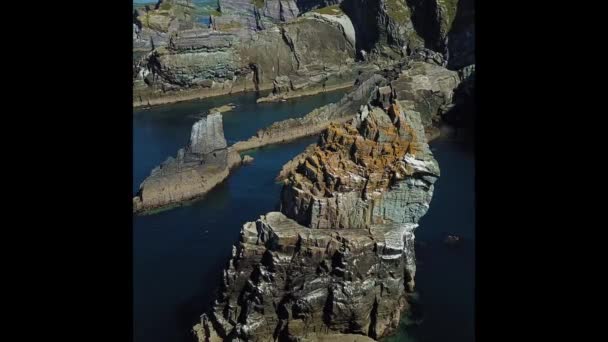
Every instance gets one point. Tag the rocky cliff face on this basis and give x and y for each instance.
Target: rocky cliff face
(206, 62)
(293, 47)
(204, 163)
(339, 256)
(152, 26)
(394, 28)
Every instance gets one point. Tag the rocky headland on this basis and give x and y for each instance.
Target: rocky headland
(290, 47)
(427, 87)
(196, 169)
(337, 261)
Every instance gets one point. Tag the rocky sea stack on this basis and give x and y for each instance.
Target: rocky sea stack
(203, 164)
(337, 262)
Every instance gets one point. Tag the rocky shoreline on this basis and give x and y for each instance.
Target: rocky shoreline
(339, 256)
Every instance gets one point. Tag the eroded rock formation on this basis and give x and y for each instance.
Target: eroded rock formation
(339, 256)
(203, 164)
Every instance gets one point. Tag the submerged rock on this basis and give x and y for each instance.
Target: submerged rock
(452, 240)
(247, 159)
(223, 108)
(338, 258)
(203, 164)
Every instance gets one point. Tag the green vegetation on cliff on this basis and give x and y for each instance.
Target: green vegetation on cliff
(229, 26)
(398, 11)
(331, 10)
(450, 7)
(258, 3)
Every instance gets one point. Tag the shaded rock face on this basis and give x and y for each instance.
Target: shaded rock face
(384, 28)
(394, 28)
(204, 163)
(461, 43)
(339, 256)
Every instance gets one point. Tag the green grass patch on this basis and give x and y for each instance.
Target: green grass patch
(398, 11)
(146, 20)
(229, 25)
(331, 10)
(165, 6)
(258, 3)
(451, 6)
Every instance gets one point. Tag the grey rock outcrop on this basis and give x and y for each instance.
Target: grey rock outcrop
(428, 88)
(199, 167)
(207, 135)
(339, 256)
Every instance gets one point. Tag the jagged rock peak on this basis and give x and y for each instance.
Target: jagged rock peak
(207, 135)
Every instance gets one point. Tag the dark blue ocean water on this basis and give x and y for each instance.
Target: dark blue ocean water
(445, 276)
(178, 255)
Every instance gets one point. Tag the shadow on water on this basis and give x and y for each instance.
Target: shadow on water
(188, 311)
(445, 275)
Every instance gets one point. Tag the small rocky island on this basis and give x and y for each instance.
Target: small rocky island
(203, 164)
(338, 259)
